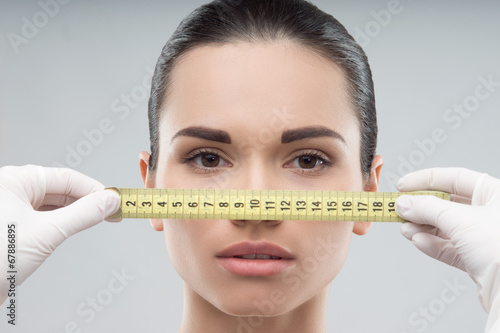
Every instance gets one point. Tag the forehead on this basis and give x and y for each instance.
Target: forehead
(252, 84)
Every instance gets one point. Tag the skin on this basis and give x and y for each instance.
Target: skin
(241, 88)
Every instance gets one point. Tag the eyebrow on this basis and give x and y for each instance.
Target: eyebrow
(287, 136)
(309, 132)
(204, 133)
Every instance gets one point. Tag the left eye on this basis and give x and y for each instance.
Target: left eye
(308, 161)
(208, 160)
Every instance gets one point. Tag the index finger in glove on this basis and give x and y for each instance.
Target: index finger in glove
(442, 214)
(64, 186)
(85, 212)
(458, 181)
(37, 185)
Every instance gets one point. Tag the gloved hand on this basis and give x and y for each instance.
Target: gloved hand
(28, 198)
(464, 233)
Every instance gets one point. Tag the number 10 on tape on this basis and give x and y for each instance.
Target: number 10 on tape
(261, 204)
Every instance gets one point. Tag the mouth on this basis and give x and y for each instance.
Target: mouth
(255, 259)
(258, 256)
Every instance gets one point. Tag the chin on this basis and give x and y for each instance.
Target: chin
(264, 303)
(264, 308)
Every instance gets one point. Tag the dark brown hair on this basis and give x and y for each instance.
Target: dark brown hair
(226, 21)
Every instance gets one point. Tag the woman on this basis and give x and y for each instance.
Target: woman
(274, 95)
(217, 96)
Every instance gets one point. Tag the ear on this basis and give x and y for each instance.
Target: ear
(361, 228)
(148, 183)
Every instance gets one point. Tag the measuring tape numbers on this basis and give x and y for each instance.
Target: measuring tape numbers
(261, 204)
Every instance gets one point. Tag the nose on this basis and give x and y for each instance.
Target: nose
(267, 223)
(257, 176)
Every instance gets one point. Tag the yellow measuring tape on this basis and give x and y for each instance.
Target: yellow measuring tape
(261, 204)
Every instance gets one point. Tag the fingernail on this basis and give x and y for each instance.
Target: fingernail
(405, 227)
(112, 202)
(401, 181)
(405, 230)
(417, 238)
(403, 205)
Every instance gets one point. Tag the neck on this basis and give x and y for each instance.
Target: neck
(201, 316)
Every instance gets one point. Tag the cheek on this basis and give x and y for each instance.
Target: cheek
(191, 245)
(327, 248)
(183, 238)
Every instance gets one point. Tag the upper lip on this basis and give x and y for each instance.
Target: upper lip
(247, 247)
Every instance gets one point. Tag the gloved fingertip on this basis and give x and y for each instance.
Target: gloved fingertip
(403, 205)
(405, 230)
(112, 202)
(401, 181)
(418, 238)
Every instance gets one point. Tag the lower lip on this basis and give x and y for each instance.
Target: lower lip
(255, 267)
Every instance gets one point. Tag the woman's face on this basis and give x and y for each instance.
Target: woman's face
(258, 116)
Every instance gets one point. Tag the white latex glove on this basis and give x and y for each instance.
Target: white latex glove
(29, 196)
(464, 233)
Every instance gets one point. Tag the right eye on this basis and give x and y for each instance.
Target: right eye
(205, 160)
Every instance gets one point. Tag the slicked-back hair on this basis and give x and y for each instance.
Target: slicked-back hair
(299, 21)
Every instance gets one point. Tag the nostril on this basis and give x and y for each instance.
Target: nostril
(257, 222)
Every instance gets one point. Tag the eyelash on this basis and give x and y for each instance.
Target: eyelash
(197, 153)
(325, 161)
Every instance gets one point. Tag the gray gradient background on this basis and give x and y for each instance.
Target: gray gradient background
(65, 79)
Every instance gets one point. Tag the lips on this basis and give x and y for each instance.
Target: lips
(255, 259)
(258, 256)
(255, 250)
